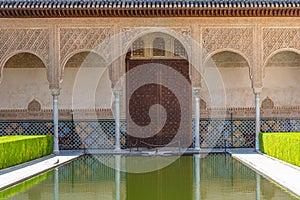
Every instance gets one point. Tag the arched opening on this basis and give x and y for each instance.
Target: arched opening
(85, 93)
(281, 81)
(79, 70)
(24, 79)
(148, 78)
(234, 70)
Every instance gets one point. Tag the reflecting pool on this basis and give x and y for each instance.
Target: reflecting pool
(189, 177)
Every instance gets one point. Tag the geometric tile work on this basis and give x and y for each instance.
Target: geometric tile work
(100, 134)
(219, 132)
(280, 125)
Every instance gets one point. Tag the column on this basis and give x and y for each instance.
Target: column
(55, 93)
(257, 92)
(117, 118)
(196, 92)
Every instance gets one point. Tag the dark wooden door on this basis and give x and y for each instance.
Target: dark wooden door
(140, 99)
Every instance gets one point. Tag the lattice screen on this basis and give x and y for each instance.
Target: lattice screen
(100, 134)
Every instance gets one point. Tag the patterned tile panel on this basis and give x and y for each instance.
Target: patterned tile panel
(100, 134)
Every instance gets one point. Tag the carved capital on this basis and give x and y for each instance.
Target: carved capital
(55, 91)
(257, 90)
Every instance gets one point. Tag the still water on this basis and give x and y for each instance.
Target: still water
(188, 178)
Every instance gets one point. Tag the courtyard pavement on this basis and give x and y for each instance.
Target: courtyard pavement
(282, 173)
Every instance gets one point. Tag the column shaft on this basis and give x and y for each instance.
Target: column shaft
(257, 120)
(197, 117)
(55, 124)
(117, 119)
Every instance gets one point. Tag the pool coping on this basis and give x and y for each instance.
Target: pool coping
(12, 176)
(257, 161)
(281, 173)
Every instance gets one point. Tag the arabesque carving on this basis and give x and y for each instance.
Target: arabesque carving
(240, 39)
(26, 40)
(278, 38)
(74, 39)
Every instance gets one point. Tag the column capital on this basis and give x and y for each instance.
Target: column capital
(257, 90)
(116, 91)
(196, 91)
(55, 91)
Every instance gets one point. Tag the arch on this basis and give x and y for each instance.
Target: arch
(235, 73)
(275, 53)
(12, 54)
(72, 54)
(280, 77)
(145, 31)
(210, 55)
(24, 77)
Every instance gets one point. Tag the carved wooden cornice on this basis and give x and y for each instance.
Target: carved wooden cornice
(148, 8)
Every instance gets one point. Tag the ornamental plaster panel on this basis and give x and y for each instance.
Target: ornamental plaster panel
(24, 40)
(279, 38)
(84, 38)
(235, 38)
(130, 34)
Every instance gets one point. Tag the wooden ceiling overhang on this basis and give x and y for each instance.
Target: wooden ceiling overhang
(152, 9)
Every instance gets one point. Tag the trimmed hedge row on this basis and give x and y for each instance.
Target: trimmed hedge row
(19, 149)
(284, 146)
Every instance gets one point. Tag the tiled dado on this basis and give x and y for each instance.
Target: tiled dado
(100, 133)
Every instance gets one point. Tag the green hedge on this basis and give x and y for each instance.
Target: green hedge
(19, 149)
(284, 146)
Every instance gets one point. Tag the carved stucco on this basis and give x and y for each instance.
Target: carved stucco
(24, 40)
(220, 38)
(84, 38)
(129, 34)
(279, 38)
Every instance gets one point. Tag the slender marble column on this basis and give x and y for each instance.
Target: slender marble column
(196, 92)
(55, 93)
(257, 118)
(117, 119)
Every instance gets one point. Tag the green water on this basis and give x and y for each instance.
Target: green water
(210, 177)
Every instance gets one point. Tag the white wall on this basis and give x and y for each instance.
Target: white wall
(20, 85)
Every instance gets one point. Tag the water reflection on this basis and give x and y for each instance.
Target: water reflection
(190, 177)
(197, 176)
(56, 184)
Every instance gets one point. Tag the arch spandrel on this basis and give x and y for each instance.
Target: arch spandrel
(12, 54)
(14, 41)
